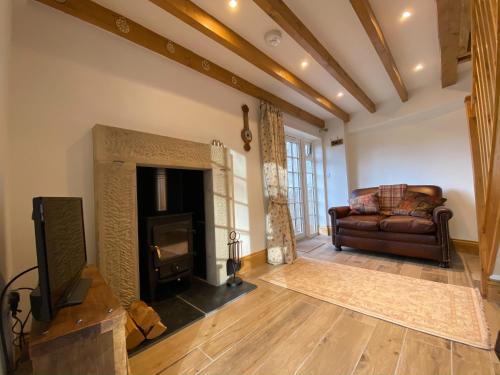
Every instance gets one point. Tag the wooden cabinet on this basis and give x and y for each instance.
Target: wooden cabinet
(83, 339)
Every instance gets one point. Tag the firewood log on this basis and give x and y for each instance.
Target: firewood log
(144, 316)
(134, 334)
(156, 331)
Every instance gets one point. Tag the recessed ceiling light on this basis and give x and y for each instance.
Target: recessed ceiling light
(418, 67)
(340, 94)
(406, 14)
(304, 64)
(233, 3)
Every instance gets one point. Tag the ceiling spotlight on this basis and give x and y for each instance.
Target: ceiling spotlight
(418, 67)
(304, 64)
(406, 14)
(233, 3)
(340, 94)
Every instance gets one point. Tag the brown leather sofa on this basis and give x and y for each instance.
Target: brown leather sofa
(402, 235)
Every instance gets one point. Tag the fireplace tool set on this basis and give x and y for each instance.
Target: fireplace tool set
(233, 264)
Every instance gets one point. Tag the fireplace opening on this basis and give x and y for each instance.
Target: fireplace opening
(171, 219)
(173, 248)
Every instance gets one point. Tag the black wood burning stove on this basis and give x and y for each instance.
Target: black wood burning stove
(166, 252)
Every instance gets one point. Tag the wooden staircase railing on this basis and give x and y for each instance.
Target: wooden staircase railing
(482, 111)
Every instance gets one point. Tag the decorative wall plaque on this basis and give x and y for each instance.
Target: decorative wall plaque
(337, 142)
(170, 46)
(205, 65)
(122, 25)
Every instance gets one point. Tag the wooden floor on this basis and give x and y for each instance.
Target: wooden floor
(273, 330)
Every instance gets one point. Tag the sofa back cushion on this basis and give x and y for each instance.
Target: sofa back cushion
(417, 204)
(390, 196)
(365, 204)
(432, 190)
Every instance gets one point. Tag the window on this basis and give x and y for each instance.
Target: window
(302, 196)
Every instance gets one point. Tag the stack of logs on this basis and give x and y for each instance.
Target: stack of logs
(142, 323)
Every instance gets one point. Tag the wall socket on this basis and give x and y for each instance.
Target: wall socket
(14, 299)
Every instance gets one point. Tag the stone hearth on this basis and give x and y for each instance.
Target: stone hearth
(117, 153)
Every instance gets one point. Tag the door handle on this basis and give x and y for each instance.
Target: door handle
(156, 249)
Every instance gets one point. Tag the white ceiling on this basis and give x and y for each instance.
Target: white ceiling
(413, 41)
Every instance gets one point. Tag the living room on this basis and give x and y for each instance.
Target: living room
(93, 91)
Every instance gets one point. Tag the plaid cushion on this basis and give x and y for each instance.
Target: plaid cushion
(364, 204)
(390, 196)
(417, 204)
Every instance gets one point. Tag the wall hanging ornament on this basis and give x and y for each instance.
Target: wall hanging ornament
(246, 133)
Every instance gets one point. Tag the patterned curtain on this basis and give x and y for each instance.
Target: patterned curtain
(281, 247)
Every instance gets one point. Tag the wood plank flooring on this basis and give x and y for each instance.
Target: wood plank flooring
(273, 330)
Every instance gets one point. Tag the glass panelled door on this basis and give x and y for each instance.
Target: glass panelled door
(295, 193)
(310, 180)
(302, 198)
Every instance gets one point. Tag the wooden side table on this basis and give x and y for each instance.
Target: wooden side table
(83, 339)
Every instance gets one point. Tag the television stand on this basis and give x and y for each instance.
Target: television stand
(77, 294)
(88, 338)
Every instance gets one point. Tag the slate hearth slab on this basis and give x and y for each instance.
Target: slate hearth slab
(208, 298)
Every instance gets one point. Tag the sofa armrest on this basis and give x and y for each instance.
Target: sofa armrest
(441, 214)
(339, 212)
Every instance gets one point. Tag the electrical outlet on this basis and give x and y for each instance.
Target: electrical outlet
(14, 299)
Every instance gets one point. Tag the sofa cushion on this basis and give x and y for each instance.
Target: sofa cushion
(360, 222)
(407, 224)
(364, 204)
(418, 204)
(389, 197)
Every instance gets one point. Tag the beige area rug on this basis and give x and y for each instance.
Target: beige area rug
(448, 311)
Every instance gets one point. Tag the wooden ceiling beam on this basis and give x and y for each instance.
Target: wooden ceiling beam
(196, 17)
(117, 24)
(374, 31)
(464, 39)
(283, 16)
(448, 15)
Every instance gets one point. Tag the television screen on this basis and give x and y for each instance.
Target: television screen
(61, 253)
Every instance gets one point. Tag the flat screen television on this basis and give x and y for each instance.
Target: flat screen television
(61, 255)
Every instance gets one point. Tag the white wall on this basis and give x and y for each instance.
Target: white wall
(336, 171)
(424, 141)
(69, 76)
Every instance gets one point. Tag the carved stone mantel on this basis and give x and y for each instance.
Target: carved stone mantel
(117, 152)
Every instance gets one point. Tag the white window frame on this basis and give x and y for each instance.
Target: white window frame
(312, 158)
(303, 181)
(300, 186)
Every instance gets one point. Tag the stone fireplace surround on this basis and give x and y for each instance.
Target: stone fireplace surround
(117, 153)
